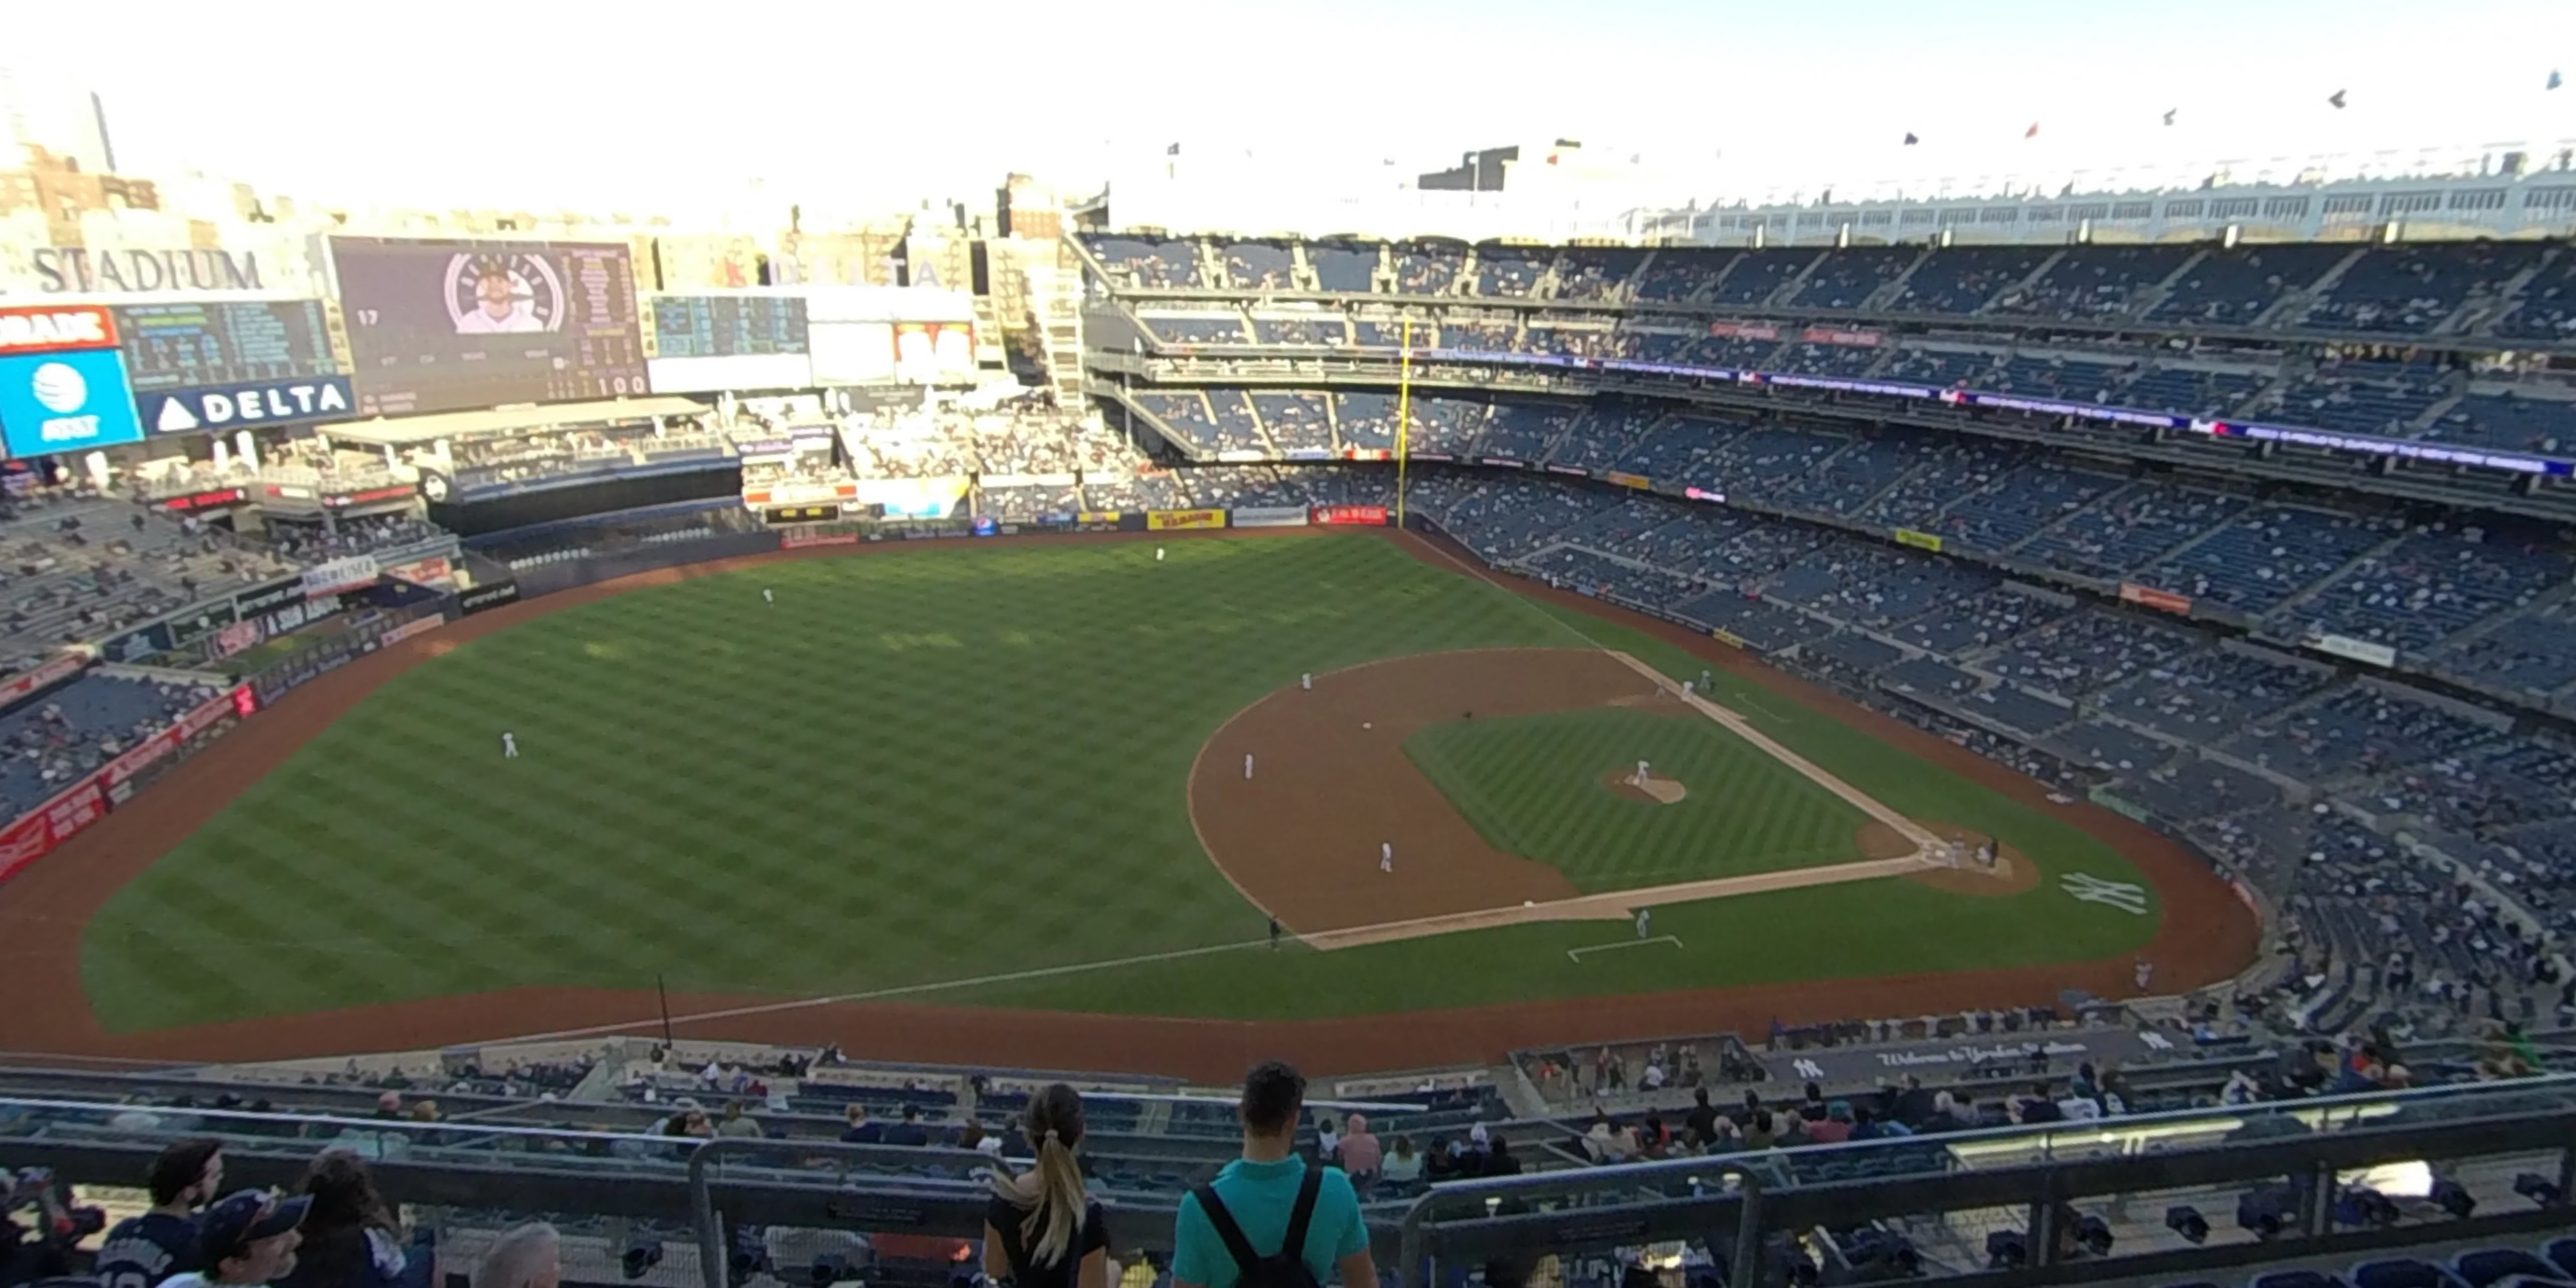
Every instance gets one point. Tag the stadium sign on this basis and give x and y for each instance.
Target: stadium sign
(52, 330)
(275, 402)
(491, 595)
(63, 383)
(79, 270)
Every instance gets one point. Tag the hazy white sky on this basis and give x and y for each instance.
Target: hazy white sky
(541, 102)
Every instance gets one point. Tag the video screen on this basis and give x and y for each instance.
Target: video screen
(449, 325)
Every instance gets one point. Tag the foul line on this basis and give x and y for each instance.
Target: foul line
(875, 994)
(1576, 954)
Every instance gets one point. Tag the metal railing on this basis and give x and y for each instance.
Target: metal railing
(2510, 1147)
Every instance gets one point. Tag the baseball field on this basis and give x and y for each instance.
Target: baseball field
(919, 798)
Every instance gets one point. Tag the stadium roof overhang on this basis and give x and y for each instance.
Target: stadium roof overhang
(406, 431)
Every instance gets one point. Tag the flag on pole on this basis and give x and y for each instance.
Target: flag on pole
(2032, 132)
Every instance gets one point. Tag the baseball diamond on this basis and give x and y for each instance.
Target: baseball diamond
(955, 785)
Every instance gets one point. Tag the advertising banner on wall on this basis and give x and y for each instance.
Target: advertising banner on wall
(223, 408)
(63, 381)
(1373, 516)
(488, 596)
(931, 498)
(1173, 520)
(349, 573)
(934, 352)
(1269, 516)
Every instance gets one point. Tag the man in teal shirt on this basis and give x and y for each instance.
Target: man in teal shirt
(1261, 1187)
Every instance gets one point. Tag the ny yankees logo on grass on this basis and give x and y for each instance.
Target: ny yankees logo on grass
(2127, 898)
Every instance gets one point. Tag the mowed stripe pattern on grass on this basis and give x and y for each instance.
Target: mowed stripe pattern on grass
(1533, 786)
(914, 767)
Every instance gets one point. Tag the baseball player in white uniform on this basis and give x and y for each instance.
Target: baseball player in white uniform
(1386, 856)
(768, 596)
(509, 746)
(1641, 773)
(1686, 688)
(1158, 554)
(1247, 766)
(1645, 921)
(1307, 681)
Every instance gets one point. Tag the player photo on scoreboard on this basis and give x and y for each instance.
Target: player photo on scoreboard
(503, 294)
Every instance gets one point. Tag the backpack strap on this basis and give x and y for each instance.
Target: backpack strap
(1293, 1246)
(1246, 1262)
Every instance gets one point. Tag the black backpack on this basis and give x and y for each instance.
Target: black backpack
(1285, 1268)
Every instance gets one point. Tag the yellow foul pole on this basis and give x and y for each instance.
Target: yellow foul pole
(1403, 416)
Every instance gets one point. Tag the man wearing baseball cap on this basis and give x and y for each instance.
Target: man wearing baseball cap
(246, 1237)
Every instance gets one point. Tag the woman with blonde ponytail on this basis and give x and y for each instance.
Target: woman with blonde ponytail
(1040, 1229)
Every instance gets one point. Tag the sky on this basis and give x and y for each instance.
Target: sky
(854, 104)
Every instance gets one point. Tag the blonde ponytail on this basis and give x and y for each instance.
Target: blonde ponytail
(1057, 1215)
(1051, 1192)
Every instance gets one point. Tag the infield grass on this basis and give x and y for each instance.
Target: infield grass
(955, 773)
(1532, 785)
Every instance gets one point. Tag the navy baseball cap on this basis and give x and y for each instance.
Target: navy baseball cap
(232, 1223)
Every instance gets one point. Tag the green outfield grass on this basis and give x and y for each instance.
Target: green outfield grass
(1532, 785)
(956, 763)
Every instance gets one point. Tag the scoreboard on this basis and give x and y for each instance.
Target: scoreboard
(726, 326)
(228, 342)
(444, 325)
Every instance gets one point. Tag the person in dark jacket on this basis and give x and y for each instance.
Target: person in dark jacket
(351, 1239)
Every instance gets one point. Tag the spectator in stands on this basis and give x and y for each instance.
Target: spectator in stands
(1362, 1155)
(530, 1256)
(1869, 1126)
(1762, 1132)
(1813, 1107)
(736, 1122)
(909, 1131)
(144, 1249)
(389, 1106)
(351, 1239)
(1911, 1105)
(1498, 1158)
(2039, 1106)
(1402, 1166)
(1256, 1193)
(859, 1131)
(1040, 1229)
(1700, 1128)
(1835, 1127)
(247, 1237)
(1944, 1116)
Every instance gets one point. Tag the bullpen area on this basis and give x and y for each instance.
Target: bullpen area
(993, 796)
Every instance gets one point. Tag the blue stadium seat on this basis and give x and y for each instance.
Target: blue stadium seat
(2402, 1272)
(2491, 1265)
(2298, 1279)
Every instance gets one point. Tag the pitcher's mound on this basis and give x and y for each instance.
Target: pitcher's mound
(1657, 789)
